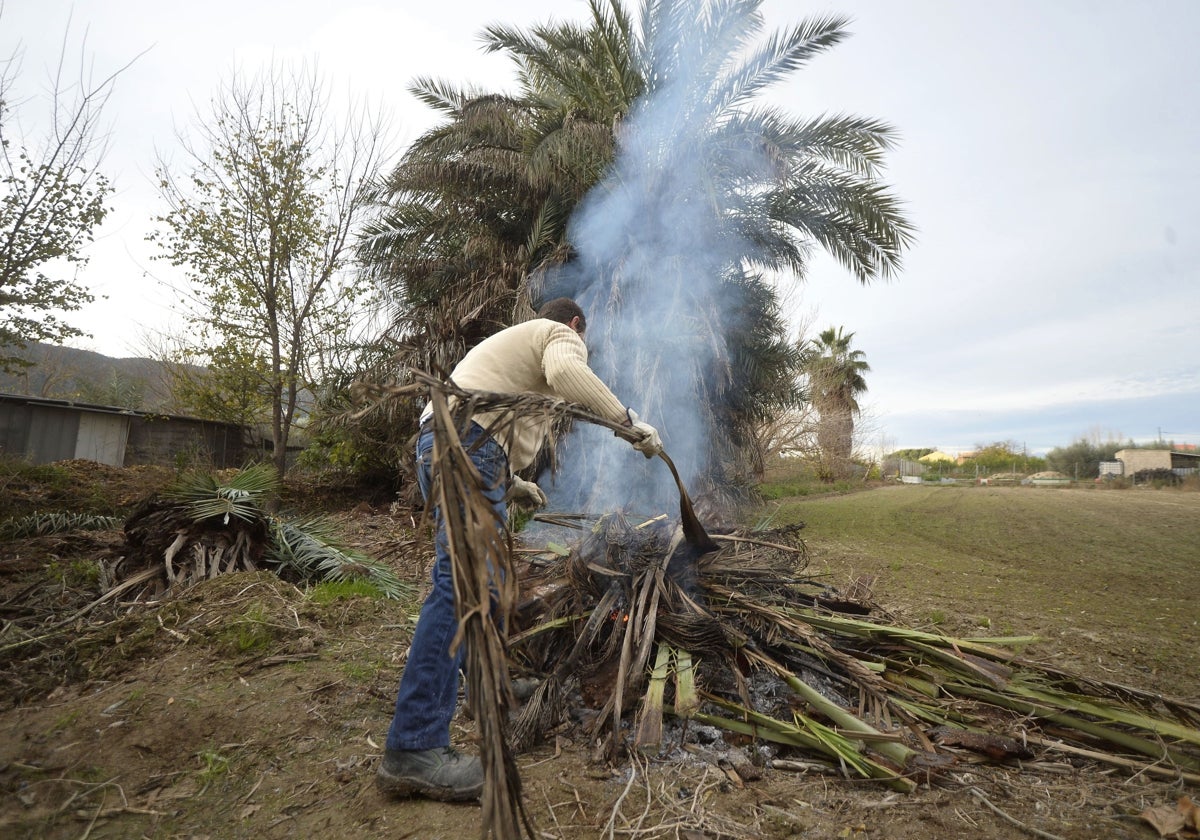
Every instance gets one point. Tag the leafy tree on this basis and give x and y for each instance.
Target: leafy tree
(909, 454)
(230, 383)
(1082, 458)
(116, 390)
(1003, 456)
(261, 225)
(52, 198)
(834, 374)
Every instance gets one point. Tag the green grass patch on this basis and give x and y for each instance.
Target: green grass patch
(361, 671)
(66, 721)
(1114, 567)
(251, 632)
(341, 590)
(785, 488)
(81, 572)
(213, 765)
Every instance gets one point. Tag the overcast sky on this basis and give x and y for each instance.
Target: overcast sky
(1049, 157)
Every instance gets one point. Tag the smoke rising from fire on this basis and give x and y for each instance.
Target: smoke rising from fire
(660, 251)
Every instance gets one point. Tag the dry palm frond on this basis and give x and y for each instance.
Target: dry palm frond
(649, 731)
(203, 528)
(485, 592)
(873, 699)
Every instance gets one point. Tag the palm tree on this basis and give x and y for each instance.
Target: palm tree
(835, 382)
(459, 228)
(633, 172)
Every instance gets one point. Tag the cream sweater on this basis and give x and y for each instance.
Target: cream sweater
(541, 356)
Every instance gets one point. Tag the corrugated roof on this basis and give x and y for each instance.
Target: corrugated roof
(105, 409)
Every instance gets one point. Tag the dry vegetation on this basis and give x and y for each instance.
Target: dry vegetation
(250, 708)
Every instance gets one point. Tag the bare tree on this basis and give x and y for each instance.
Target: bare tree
(260, 225)
(51, 198)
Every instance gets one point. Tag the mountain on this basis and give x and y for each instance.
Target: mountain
(72, 374)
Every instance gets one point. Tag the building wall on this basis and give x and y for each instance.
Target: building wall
(50, 434)
(14, 428)
(1136, 460)
(46, 433)
(169, 440)
(102, 437)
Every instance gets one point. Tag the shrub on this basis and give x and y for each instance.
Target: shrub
(1160, 477)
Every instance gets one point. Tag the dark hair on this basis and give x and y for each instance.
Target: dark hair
(563, 309)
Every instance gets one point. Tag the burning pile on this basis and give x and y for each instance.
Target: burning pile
(633, 615)
(621, 616)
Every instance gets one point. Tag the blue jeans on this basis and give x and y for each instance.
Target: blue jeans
(429, 685)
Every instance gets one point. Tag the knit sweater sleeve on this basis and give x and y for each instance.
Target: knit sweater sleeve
(564, 362)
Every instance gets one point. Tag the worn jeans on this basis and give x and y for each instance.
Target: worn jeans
(429, 685)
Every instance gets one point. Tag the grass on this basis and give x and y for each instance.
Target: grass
(785, 487)
(214, 765)
(328, 592)
(1105, 577)
(252, 632)
(81, 572)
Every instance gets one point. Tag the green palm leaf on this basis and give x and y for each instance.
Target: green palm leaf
(311, 549)
(241, 497)
(44, 523)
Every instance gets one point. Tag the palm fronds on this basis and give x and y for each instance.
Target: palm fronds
(205, 526)
(45, 523)
(874, 699)
(242, 497)
(310, 550)
(485, 591)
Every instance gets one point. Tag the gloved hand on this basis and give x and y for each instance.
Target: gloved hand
(525, 493)
(650, 444)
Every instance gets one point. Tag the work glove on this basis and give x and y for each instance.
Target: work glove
(650, 443)
(525, 493)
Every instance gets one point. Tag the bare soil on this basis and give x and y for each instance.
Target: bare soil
(247, 708)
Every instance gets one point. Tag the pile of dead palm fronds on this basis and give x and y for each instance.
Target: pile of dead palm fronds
(201, 527)
(874, 700)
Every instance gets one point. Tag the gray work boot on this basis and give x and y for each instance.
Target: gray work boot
(440, 773)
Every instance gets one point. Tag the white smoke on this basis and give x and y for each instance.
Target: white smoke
(657, 241)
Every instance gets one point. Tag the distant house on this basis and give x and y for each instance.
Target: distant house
(45, 430)
(1134, 461)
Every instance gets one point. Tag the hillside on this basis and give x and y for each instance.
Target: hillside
(70, 373)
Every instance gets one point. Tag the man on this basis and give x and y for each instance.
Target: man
(547, 356)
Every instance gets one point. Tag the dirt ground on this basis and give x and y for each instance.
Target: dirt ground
(246, 709)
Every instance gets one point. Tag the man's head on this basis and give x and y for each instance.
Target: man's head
(565, 311)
